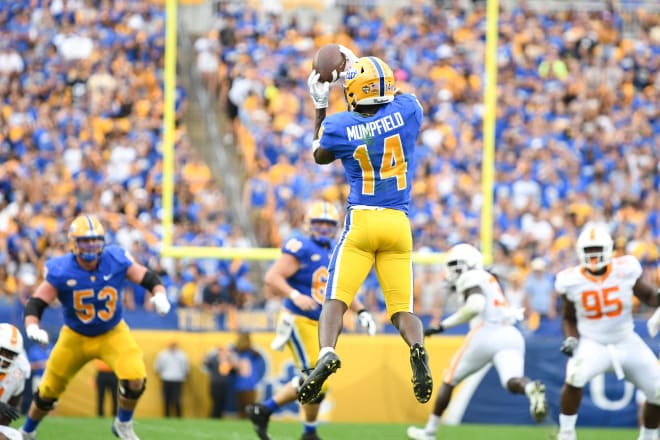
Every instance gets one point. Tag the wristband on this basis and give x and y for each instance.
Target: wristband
(294, 294)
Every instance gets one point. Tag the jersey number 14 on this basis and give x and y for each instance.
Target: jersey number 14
(393, 165)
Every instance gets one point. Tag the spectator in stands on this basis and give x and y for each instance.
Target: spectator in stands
(217, 299)
(208, 62)
(7, 284)
(191, 292)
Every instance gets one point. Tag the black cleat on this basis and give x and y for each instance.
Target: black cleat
(259, 415)
(311, 387)
(422, 380)
(310, 436)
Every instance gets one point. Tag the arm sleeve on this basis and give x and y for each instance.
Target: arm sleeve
(474, 305)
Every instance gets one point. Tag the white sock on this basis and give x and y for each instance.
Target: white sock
(325, 350)
(567, 423)
(647, 433)
(433, 424)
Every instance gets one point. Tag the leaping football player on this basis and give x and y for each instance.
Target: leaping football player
(375, 140)
(299, 276)
(597, 321)
(88, 283)
(493, 338)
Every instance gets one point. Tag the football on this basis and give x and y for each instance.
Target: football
(328, 61)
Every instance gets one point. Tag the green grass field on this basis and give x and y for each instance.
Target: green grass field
(71, 428)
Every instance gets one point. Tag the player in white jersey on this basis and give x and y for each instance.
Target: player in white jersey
(14, 370)
(598, 327)
(492, 338)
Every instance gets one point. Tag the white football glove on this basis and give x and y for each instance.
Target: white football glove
(160, 303)
(367, 321)
(653, 324)
(319, 91)
(36, 333)
(351, 58)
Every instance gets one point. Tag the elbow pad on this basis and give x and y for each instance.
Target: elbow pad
(150, 280)
(35, 307)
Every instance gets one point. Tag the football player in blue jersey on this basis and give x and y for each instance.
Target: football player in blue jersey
(299, 275)
(88, 283)
(375, 140)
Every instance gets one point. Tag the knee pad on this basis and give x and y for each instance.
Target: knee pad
(126, 392)
(44, 404)
(319, 399)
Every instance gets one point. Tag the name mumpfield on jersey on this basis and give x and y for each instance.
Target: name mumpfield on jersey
(378, 126)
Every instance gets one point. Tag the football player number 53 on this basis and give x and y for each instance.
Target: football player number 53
(85, 309)
(598, 303)
(394, 165)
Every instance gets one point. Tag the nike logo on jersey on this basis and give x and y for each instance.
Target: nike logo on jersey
(107, 277)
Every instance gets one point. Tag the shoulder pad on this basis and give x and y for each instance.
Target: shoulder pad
(471, 278)
(296, 246)
(118, 254)
(629, 265)
(56, 268)
(565, 278)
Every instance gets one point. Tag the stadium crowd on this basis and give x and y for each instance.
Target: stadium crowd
(577, 134)
(81, 90)
(577, 130)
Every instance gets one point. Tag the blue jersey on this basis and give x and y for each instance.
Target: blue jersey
(377, 151)
(91, 301)
(312, 275)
